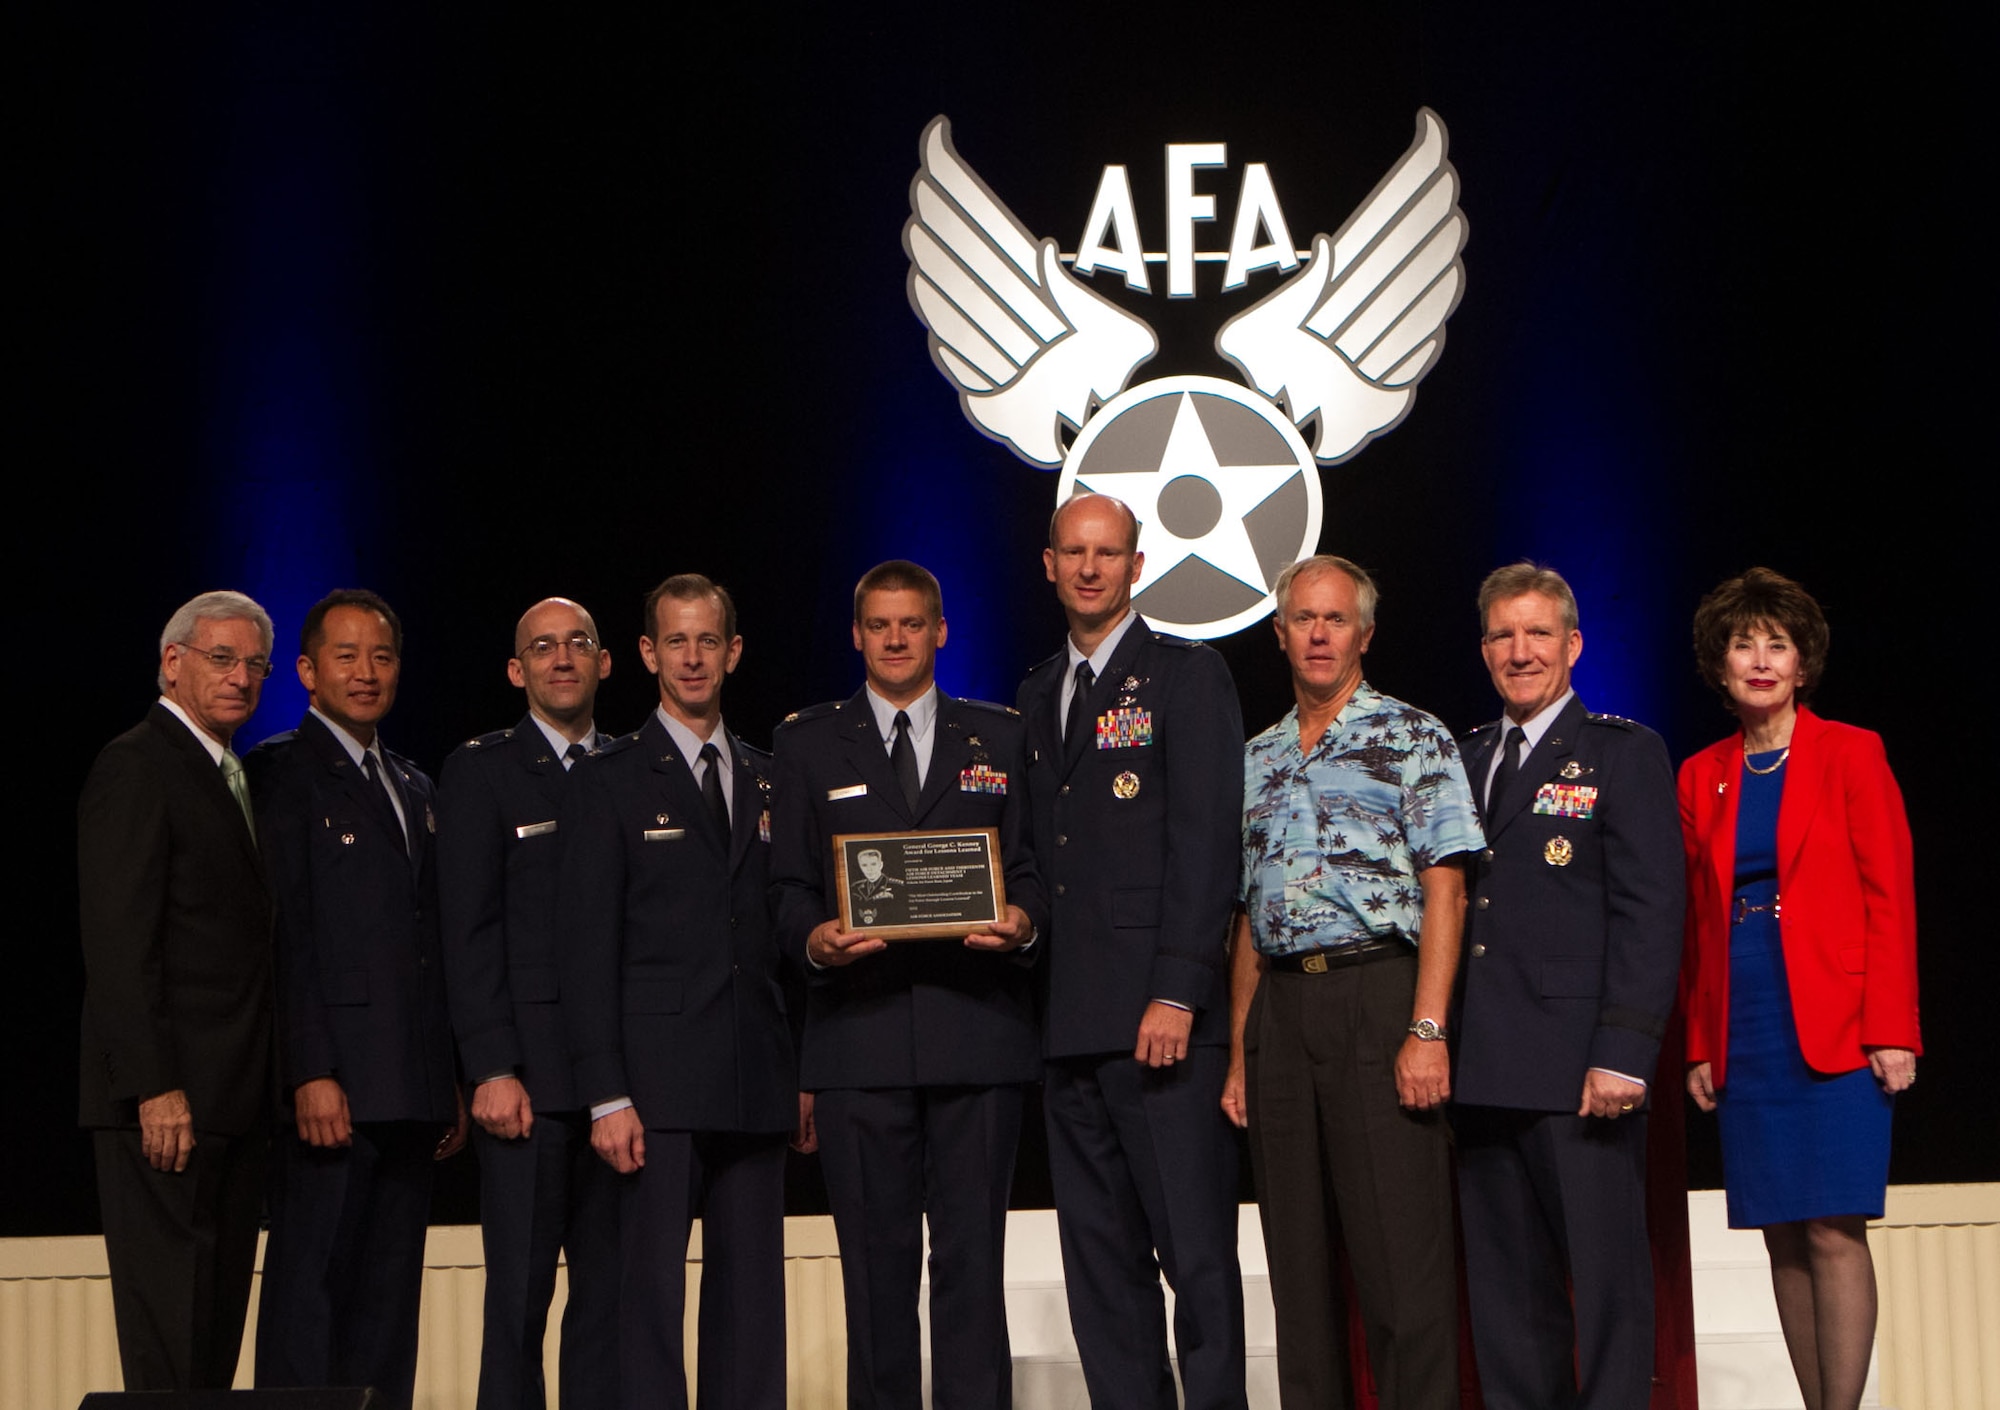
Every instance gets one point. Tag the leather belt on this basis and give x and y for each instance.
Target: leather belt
(1742, 910)
(1339, 957)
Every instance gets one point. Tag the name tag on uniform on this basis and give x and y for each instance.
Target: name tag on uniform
(1566, 800)
(853, 790)
(982, 779)
(665, 834)
(1124, 729)
(527, 830)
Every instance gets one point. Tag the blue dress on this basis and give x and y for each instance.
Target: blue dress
(1796, 1144)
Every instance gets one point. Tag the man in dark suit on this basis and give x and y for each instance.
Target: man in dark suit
(364, 1043)
(675, 1013)
(1573, 945)
(916, 1053)
(542, 1190)
(1136, 773)
(176, 1052)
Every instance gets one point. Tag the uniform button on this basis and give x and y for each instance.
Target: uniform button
(736, 969)
(1063, 791)
(1062, 839)
(1478, 950)
(1483, 903)
(1488, 854)
(1059, 888)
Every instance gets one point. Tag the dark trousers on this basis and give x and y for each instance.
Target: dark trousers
(181, 1249)
(540, 1197)
(736, 1183)
(891, 1158)
(1543, 1194)
(1339, 1164)
(344, 1266)
(1144, 1164)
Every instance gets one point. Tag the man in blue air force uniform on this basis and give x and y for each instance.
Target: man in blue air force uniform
(1136, 773)
(916, 1052)
(676, 1016)
(1573, 945)
(542, 1190)
(365, 1053)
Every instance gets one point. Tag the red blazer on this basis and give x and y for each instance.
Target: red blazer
(1848, 913)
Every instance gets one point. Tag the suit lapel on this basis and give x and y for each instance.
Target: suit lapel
(413, 825)
(1476, 764)
(207, 779)
(1805, 784)
(950, 754)
(746, 803)
(673, 777)
(868, 755)
(1719, 781)
(538, 760)
(1542, 765)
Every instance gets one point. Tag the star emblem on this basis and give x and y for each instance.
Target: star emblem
(1225, 491)
(1191, 505)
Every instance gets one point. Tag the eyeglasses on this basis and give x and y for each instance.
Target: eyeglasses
(224, 661)
(543, 647)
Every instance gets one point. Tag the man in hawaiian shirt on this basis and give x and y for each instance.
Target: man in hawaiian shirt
(1356, 816)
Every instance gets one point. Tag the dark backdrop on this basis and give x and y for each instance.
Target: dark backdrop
(475, 310)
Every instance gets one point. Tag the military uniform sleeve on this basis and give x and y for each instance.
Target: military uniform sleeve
(1879, 832)
(591, 883)
(282, 801)
(1204, 748)
(1645, 895)
(472, 891)
(798, 878)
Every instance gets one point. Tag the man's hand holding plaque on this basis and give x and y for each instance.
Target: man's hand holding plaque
(830, 946)
(1010, 932)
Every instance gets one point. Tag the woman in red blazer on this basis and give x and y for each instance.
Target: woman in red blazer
(1800, 982)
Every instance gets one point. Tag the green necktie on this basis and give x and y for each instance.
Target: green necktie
(239, 787)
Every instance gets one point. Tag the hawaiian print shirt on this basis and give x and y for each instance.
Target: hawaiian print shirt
(1332, 843)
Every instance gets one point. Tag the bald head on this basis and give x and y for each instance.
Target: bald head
(558, 660)
(1094, 505)
(537, 620)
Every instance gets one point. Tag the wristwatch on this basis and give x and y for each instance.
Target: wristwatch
(1428, 1030)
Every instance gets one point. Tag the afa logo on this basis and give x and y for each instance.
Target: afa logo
(1222, 476)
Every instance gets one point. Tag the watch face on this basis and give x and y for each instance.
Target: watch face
(1427, 1030)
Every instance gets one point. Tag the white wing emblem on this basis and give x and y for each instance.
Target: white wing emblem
(1348, 337)
(1026, 343)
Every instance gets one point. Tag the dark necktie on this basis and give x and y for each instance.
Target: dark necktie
(903, 758)
(380, 780)
(1510, 764)
(1079, 705)
(575, 753)
(711, 788)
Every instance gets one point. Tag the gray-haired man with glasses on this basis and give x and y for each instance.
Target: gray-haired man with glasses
(542, 1190)
(176, 1052)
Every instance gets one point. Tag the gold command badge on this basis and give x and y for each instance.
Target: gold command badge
(1557, 851)
(1126, 785)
